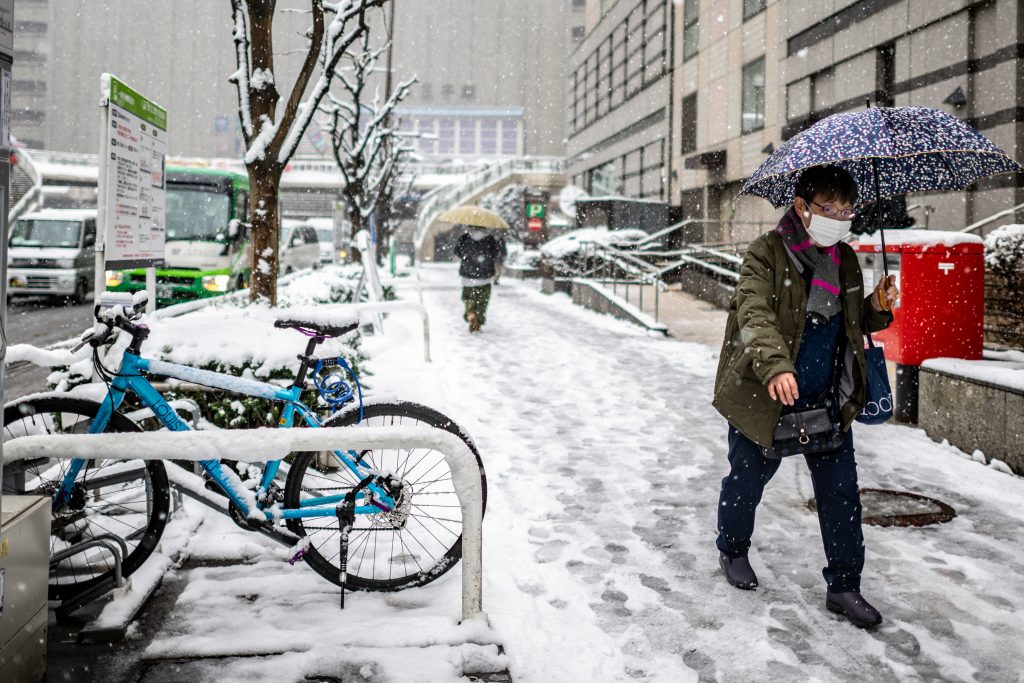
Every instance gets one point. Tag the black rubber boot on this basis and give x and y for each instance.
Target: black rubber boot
(738, 572)
(854, 607)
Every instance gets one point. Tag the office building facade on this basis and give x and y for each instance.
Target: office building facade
(746, 75)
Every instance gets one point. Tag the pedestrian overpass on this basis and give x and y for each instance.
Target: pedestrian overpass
(541, 173)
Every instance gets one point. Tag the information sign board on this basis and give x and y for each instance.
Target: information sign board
(132, 183)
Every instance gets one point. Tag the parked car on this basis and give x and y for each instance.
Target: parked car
(52, 252)
(325, 235)
(300, 247)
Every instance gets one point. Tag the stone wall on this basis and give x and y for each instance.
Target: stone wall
(973, 415)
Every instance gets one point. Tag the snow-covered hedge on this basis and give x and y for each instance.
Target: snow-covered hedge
(1004, 306)
(1004, 251)
(238, 338)
(566, 255)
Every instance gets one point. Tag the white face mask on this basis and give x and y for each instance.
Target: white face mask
(827, 231)
(477, 233)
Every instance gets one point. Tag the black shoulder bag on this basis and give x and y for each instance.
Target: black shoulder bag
(813, 430)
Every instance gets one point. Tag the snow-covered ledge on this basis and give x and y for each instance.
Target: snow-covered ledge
(261, 445)
(977, 405)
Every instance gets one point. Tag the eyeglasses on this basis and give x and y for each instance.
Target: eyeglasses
(833, 211)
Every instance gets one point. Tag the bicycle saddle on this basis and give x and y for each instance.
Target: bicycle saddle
(333, 326)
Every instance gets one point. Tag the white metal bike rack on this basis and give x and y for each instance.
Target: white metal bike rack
(261, 445)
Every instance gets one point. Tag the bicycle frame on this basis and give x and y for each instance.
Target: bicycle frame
(131, 377)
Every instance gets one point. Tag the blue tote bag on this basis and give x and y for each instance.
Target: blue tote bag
(879, 406)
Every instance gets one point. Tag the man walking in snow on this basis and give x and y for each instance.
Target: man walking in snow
(793, 346)
(480, 252)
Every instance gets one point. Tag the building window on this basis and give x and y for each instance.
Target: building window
(752, 7)
(488, 136)
(688, 134)
(753, 97)
(446, 136)
(510, 137)
(578, 32)
(427, 136)
(885, 76)
(654, 42)
(28, 86)
(604, 180)
(691, 29)
(22, 57)
(28, 116)
(33, 27)
(467, 136)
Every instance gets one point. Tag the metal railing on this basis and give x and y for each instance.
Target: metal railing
(993, 218)
(276, 444)
(628, 268)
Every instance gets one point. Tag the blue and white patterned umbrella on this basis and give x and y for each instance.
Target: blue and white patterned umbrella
(888, 151)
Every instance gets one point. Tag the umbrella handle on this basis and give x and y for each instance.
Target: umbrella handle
(883, 303)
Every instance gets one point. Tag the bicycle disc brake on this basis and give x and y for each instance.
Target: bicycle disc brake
(399, 514)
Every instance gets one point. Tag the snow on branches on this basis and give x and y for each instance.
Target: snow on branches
(279, 132)
(363, 130)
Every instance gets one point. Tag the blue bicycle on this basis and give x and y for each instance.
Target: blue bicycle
(406, 527)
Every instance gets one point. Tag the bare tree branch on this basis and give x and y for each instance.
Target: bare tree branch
(240, 78)
(301, 83)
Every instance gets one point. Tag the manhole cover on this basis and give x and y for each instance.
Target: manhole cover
(900, 508)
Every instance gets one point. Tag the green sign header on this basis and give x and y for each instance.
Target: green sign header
(126, 98)
(535, 210)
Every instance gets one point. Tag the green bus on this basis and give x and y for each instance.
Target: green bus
(208, 250)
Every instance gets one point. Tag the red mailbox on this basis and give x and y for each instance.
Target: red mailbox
(941, 277)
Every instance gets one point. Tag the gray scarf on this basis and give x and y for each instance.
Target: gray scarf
(823, 264)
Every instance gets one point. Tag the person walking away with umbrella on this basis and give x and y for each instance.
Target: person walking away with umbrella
(479, 252)
(794, 342)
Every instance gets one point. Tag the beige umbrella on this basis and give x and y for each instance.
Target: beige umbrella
(474, 216)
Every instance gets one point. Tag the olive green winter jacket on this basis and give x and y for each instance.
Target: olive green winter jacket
(763, 332)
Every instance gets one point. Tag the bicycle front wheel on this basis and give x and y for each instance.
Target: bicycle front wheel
(126, 499)
(413, 544)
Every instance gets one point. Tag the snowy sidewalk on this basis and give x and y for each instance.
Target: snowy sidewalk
(604, 459)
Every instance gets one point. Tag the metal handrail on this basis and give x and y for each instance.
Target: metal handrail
(994, 217)
(446, 196)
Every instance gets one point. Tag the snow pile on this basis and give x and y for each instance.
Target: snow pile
(523, 258)
(572, 243)
(1001, 373)
(1004, 250)
(330, 285)
(568, 197)
(921, 238)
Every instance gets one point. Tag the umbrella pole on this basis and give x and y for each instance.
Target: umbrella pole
(878, 216)
(878, 199)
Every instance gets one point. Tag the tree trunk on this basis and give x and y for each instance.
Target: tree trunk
(265, 181)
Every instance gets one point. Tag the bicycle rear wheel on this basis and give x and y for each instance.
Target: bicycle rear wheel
(411, 546)
(126, 499)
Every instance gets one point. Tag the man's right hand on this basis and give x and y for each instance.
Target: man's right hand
(782, 387)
